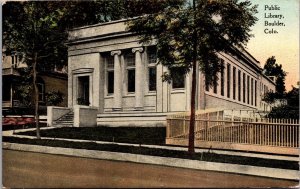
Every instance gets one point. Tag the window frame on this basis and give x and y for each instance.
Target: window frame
(255, 91)
(130, 67)
(222, 77)
(151, 64)
(239, 85)
(183, 81)
(228, 80)
(233, 83)
(109, 69)
(252, 91)
(244, 88)
(248, 89)
(215, 84)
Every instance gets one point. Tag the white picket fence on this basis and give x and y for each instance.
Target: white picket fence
(213, 127)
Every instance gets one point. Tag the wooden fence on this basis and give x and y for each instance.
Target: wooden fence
(214, 130)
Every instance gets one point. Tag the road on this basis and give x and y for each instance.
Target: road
(26, 169)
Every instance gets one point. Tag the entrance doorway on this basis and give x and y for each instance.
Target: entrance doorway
(83, 90)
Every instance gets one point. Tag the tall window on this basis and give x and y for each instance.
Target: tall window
(222, 77)
(130, 66)
(14, 60)
(252, 91)
(215, 84)
(248, 90)
(152, 58)
(234, 83)
(206, 83)
(41, 89)
(109, 60)
(244, 87)
(239, 85)
(13, 64)
(228, 80)
(255, 93)
(178, 78)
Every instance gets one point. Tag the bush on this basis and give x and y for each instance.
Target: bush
(284, 112)
(54, 98)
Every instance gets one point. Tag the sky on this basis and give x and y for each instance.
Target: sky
(284, 44)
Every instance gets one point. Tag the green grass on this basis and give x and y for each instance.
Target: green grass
(136, 135)
(212, 157)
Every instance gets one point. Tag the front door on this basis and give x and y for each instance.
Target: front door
(83, 91)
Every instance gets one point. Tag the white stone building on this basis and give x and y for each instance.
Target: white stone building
(113, 77)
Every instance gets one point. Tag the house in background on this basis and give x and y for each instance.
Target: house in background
(48, 80)
(115, 80)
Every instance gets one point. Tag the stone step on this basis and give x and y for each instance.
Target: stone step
(136, 120)
(71, 121)
(63, 125)
(65, 119)
(68, 116)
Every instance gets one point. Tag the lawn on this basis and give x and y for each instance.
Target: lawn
(136, 135)
(206, 156)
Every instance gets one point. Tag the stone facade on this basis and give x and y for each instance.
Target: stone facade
(110, 70)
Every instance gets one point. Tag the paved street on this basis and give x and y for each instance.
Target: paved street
(26, 169)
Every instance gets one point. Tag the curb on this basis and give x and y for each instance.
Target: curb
(164, 161)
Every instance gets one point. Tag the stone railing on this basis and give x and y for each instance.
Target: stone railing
(54, 113)
(85, 116)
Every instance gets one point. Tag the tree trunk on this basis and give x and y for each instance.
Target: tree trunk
(36, 98)
(191, 148)
(192, 118)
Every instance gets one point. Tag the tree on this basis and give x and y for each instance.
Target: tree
(38, 31)
(290, 110)
(190, 35)
(271, 68)
(32, 29)
(81, 13)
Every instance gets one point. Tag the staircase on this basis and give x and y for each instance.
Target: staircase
(65, 121)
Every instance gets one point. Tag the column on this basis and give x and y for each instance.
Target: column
(139, 79)
(159, 88)
(117, 81)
